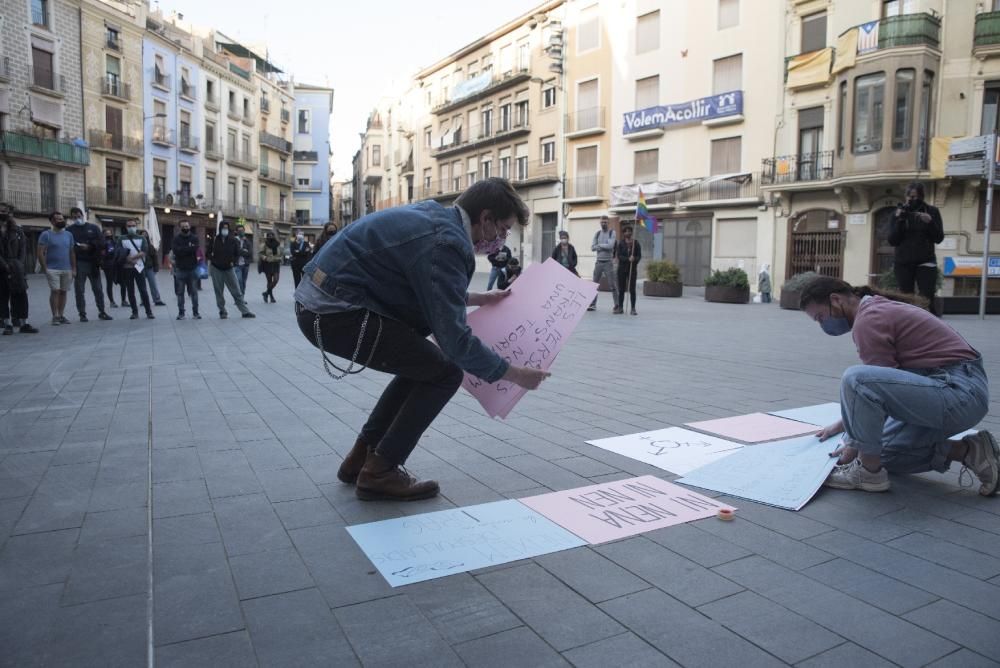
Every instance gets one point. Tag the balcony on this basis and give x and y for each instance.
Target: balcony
(585, 122)
(188, 143)
(274, 141)
(101, 140)
(310, 185)
(797, 168)
(234, 114)
(112, 86)
(248, 118)
(305, 156)
(909, 30)
(213, 151)
(279, 176)
(265, 105)
(211, 102)
(286, 116)
(119, 199)
(45, 149)
(113, 43)
(47, 82)
(374, 174)
(179, 199)
(584, 189)
(737, 187)
(26, 202)
(244, 159)
(160, 80)
(162, 135)
(474, 137)
(498, 82)
(528, 173)
(187, 91)
(987, 35)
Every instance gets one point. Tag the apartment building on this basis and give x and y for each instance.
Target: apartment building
(343, 203)
(41, 111)
(311, 154)
(275, 175)
(113, 92)
(489, 111)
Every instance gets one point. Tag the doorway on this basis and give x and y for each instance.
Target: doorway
(687, 242)
(884, 255)
(816, 243)
(549, 223)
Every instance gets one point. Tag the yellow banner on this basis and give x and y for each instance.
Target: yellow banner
(810, 69)
(847, 51)
(940, 148)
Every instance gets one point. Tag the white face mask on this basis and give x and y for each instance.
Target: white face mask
(131, 230)
(300, 238)
(224, 232)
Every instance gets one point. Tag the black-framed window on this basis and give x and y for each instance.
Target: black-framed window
(869, 110)
(902, 109)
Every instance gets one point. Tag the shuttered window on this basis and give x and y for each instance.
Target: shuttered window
(726, 155)
(729, 13)
(727, 74)
(588, 30)
(647, 92)
(646, 166)
(647, 32)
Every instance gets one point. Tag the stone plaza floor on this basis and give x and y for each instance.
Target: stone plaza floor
(224, 437)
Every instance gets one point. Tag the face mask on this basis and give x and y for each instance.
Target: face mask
(300, 239)
(224, 232)
(185, 232)
(490, 246)
(131, 230)
(59, 224)
(78, 221)
(239, 234)
(835, 326)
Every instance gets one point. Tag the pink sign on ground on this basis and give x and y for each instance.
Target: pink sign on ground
(528, 328)
(623, 508)
(754, 428)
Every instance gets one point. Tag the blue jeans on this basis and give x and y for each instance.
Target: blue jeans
(150, 276)
(494, 275)
(241, 274)
(907, 415)
(186, 278)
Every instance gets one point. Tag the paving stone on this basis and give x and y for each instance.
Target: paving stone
(460, 608)
(788, 636)
(879, 590)
(268, 456)
(414, 640)
(176, 464)
(287, 485)
(684, 634)
(847, 654)
(339, 568)
(185, 497)
(26, 622)
(562, 617)
(306, 513)
(229, 650)
(271, 572)
(227, 473)
(186, 530)
(322, 469)
(296, 629)
(585, 466)
(518, 647)
(793, 525)
(248, 524)
(103, 633)
(970, 537)
(545, 473)
(590, 574)
(627, 650)
(37, 559)
(117, 496)
(699, 546)
(113, 524)
(944, 553)
(962, 625)
(108, 569)
(964, 658)
(879, 529)
(681, 578)
(767, 543)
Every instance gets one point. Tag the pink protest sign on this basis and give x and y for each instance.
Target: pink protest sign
(612, 510)
(528, 328)
(754, 428)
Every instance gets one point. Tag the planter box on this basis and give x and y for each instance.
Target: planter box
(790, 299)
(657, 289)
(726, 295)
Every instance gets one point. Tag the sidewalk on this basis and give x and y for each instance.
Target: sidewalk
(234, 431)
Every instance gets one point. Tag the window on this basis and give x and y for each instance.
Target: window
(262, 197)
(245, 192)
(113, 69)
(159, 179)
(303, 121)
(587, 111)
(813, 33)
(505, 117)
(231, 143)
(487, 127)
(246, 107)
(588, 30)
(427, 137)
(232, 101)
(112, 38)
(282, 167)
(811, 144)
(523, 55)
(185, 128)
(647, 32)
(444, 175)
(842, 118)
(646, 166)
(926, 91)
(897, 7)
(505, 163)
(548, 96)
(43, 64)
(521, 113)
(210, 91)
(521, 162)
(456, 176)
(585, 184)
(113, 182)
(376, 155)
(427, 178)
(902, 115)
(727, 155)
(471, 169)
(210, 137)
(869, 100)
(506, 63)
(159, 71)
(245, 147)
(231, 191)
(486, 165)
(47, 190)
(548, 150)
(184, 177)
(729, 14)
(727, 74)
(40, 12)
(210, 187)
(647, 92)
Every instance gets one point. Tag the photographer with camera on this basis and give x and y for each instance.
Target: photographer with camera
(916, 228)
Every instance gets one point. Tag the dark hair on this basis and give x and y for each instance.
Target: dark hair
(563, 233)
(240, 225)
(819, 289)
(918, 187)
(495, 195)
(627, 228)
(224, 222)
(52, 216)
(76, 209)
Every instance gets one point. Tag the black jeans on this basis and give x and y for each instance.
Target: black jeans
(924, 277)
(12, 304)
(110, 278)
(297, 272)
(425, 380)
(88, 270)
(130, 279)
(623, 279)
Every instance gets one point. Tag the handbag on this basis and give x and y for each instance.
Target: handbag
(202, 269)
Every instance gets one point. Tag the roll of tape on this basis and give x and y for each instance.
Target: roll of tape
(726, 515)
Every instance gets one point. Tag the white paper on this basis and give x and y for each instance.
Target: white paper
(674, 449)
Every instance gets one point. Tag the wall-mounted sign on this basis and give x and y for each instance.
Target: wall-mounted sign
(970, 266)
(702, 109)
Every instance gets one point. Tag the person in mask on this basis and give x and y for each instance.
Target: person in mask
(565, 253)
(916, 229)
(13, 279)
(919, 383)
(328, 231)
(375, 293)
(57, 256)
(301, 253)
(88, 247)
(269, 262)
(133, 253)
(184, 250)
(151, 269)
(222, 256)
(245, 258)
(628, 252)
(109, 265)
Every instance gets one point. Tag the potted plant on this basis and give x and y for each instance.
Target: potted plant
(728, 287)
(663, 279)
(792, 289)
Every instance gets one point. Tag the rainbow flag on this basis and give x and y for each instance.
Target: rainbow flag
(643, 216)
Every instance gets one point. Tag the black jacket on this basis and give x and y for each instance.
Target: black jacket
(300, 253)
(185, 249)
(13, 247)
(223, 252)
(500, 258)
(507, 276)
(622, 253)
(93, 239)
(246, 249)
(914, 240)
(109, 254)
(571, 258)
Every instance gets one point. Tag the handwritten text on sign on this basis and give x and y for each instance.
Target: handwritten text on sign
(608, 511)
(673, 449)
(528, 328)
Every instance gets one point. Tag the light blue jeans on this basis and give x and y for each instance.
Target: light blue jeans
(494, 275)
(907, 415)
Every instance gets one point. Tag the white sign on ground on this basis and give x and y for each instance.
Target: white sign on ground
(674, 449)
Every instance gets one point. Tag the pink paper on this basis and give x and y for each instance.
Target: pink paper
(613, 510)
(528, 328)
(754, 428)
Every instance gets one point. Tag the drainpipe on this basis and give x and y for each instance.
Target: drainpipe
(83, 114)
(778, 125)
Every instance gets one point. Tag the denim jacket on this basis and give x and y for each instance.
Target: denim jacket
(412, 264)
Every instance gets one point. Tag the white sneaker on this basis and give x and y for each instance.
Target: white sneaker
(856, 476)
(983, 460)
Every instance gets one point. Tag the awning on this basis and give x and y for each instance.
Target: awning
(46, 111)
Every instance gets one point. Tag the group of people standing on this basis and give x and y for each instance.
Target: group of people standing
(617, 260)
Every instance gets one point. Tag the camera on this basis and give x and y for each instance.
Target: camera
(907, 207)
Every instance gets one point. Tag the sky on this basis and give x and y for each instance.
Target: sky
(358, 47)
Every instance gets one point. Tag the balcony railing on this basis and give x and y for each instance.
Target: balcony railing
(274, 141)
(276, 175)
(44, 148)
(25, 202)
(244, 159)
(797, 168)
(188, 143)
(248, 118)
(234, 114)
(534, 171)
(586, 120)
(115, 87)
(211, 101)
(741, 186)
(179, 199)
(585, 187)
(987, 30)
(305, 156)
(162, 135)
(47, 80)
(311, 185)
(100, 140)
(909, 30)
(286, 116)
(265, 105)
(187, 91)
(476, 135)
(498, 82)
(213, 151)
(160, 79)
(117, 198)
(113, 43)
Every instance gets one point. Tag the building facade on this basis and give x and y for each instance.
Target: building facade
(41, 111)
(276, 175)
(311, 154)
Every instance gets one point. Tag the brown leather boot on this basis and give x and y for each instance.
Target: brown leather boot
(355, 459)
(380, 479)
